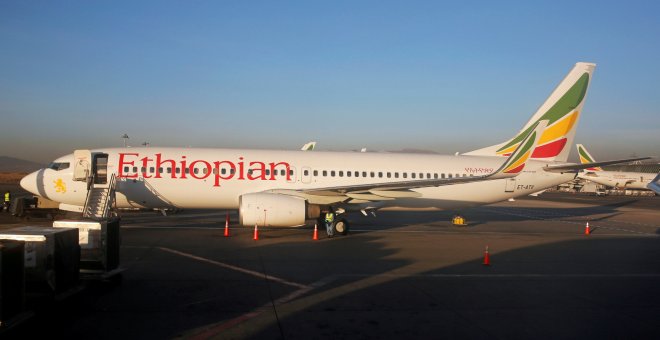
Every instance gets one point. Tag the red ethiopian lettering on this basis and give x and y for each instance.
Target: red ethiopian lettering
(122, 163)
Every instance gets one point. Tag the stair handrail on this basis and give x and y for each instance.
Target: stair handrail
(111, 196)
(90, 185)
(157, 194)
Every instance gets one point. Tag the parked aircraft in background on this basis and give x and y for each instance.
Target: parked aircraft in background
(284, 188)
(614, 179)
(309, 146)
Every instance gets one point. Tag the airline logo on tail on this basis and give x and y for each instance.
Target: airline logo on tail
(585, 157)
(561, 119)
(517, 160)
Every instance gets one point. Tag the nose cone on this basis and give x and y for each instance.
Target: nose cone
(29, 183)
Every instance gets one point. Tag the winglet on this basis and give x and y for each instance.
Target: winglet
(516, 162)
(585, 157)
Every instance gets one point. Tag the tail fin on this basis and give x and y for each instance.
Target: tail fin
(562, 110)
(519, 157)
(585, 157)
(309, 146)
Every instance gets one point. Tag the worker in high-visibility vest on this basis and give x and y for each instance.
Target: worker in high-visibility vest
(7, 201)
(329, 223)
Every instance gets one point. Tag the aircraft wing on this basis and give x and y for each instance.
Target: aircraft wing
(655, 184)
(513, 165)
(577, 167)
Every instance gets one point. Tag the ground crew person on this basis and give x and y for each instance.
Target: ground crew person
(329, 223)
(7, 200)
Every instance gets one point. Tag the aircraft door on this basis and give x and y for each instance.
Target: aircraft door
(82, 164)
(100, 168)
(510, 185)
(306, 175)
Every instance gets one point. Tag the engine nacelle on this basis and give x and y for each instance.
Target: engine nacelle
(277, 210)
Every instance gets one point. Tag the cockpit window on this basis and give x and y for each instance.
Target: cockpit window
(57, 166)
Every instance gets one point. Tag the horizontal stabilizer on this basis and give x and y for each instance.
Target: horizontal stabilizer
(577, 167)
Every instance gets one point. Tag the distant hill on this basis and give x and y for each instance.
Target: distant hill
(11, 164)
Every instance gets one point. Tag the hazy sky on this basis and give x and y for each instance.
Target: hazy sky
(386, 75)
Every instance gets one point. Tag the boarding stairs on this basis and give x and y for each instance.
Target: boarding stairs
(100, 199)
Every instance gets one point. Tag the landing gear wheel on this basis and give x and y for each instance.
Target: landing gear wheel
(341, 227)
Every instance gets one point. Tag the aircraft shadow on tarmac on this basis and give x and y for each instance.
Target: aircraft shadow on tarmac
(592, 287)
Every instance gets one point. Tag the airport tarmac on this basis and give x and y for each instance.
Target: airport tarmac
(401, 274)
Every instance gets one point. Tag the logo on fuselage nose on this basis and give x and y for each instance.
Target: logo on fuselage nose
(60, 186)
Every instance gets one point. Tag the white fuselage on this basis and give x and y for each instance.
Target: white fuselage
(208, 183)
(620, 179)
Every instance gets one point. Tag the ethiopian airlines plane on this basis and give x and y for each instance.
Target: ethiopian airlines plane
(284, 188)
(615, 179)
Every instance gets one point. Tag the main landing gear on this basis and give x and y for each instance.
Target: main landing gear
(341, 225)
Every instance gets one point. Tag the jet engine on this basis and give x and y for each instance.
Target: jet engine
(274, 210)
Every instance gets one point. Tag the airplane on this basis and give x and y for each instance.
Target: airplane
(308, 146)
(615, 179)
(283, 188)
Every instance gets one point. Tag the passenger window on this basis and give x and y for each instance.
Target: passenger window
(152, 169)
(135, 169)
(341, 174)
(160, 170)
(442, 175)
(396, 175)
(316, 173)
(267, 172)
(169, 170)
(195, 170)
(126, 169)
(357, 174)
(306, 173)
(348, 174)
(364, 174)
(448, 175)
(380, 175)
(332, 173)
(405, 175)
(177, 170)
(413, 175)
(373, 174)
(187, 170)
(389, 175)
(223, 171)
(325, 173)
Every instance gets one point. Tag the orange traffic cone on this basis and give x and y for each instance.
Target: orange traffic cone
(316, 233)
(586, 229)
(256, 233)
(486, 257)
(227, 226)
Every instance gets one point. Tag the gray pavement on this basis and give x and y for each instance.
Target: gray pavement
(401, 274)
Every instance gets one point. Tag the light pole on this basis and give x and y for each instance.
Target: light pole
(125, 137)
